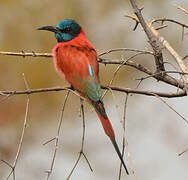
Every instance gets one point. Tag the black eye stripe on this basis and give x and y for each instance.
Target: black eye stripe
(67, 30)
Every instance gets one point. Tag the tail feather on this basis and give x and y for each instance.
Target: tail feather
(99, 107)
(120, 156)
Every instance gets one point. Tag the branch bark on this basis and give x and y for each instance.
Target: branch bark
(152, 39)
(155, 40)
(125, 90)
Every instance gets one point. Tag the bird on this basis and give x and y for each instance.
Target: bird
(76, 61)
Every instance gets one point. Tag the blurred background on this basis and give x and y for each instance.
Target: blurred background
(155, 133)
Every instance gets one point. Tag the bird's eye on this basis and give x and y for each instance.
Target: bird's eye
(67, 30)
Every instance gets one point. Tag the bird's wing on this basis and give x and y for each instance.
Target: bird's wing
(80, 67)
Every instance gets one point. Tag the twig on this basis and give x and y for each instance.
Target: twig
(166, 79)
(123, 148)
(137, 66)
(5, 98)
(12, 169)
(185, 57)
(171, 108)
(186, 150)
(36, 54)
(125, 90)
(82, 145)
(49, 141)
(125, 142)
(2, 94)
(114, 75)
(22, 136)
(169, 20)
(176, 69)
(124, 61)
(161, 27)
(181, 8)
(57, 137)
(24, 54)
(128, 63)
(172, 72)
(125, 49)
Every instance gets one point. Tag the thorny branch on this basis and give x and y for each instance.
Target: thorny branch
(159, 76)
(174, 54)
(155, 40)
(25, 54)
(35, 54)
(125, 90)
(152, 39)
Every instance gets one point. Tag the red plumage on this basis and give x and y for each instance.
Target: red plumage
(72, 58)
(76, 61)
(71, 61)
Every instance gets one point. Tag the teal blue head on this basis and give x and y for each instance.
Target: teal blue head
(65, 30)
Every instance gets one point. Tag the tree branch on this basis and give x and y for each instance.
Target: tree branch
(22, 136)
(158, 76)
(152, 39)
(24, 54)
(125, 90)
(57, 138)
(155, 39)
(174, 54)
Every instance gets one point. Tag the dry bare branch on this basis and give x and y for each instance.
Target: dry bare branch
(125, 49)
(155, 39)
(182, 117)
(82, 145)
(24, 54)
(174, 54)
(125, 142)
(167, 79)
(22, 136)
(162, 20)
(57, 137)
(152, 39)
(125, 90)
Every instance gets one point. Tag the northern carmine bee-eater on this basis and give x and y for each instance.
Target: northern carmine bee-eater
(76, 61)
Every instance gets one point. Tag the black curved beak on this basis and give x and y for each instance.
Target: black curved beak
(49, 28)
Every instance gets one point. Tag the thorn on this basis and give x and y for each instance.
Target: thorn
(23, 53)
(161, 27)
(140, 9)
(48, 171)
(2, 94)
(48, 141)
(34, 55)
(136, 25)
(182, 35)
